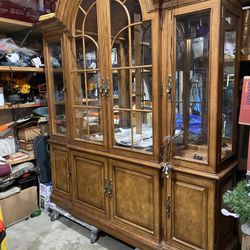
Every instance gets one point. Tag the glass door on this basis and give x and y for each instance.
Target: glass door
(191, 87)
(58, 87)
(131, 81)
(229, 81)
(88, 85)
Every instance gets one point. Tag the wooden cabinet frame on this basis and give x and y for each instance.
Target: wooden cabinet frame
(185, 183)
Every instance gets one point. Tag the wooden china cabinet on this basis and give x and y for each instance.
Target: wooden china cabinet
(143, 105)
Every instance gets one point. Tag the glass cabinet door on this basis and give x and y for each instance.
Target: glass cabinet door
(191, 87)
(58, 97)
(87, 89)
(131, 70)
(229, 74)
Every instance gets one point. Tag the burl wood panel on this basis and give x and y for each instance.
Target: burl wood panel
(61, 170)
(190, 212)
(89, 182)
(135, 198)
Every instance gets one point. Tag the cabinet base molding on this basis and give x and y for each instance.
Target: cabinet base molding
(61, 201)
(135, 240)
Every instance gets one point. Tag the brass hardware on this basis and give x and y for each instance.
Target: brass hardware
(169, 89)
(108, 187)
(102, 88)
(166, 169)
(107, 88)
(168, 206)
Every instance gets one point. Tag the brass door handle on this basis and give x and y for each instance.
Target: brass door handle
(108, 187)
(102, 89)
(107, 88)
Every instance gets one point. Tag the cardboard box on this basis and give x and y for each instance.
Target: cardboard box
(19, 206)
(245, 242)
(45, 193)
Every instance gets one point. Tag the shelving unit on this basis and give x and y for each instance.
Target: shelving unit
(30, 157)
(21, 106)
(21, 69)
(10, 26)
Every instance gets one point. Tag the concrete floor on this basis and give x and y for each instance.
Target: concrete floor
(40, 233)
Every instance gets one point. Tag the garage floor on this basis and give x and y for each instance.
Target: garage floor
(40, 233)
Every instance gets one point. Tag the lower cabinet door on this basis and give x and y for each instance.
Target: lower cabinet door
(135, 199)
(61, 176)
(189, 212)
(90, 176)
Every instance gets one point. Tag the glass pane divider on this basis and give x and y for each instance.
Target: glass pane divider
(86, 107)
(133, 110)
(95, 71)
(132, 67)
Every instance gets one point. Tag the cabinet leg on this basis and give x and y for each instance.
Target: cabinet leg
(54, 216)
(94, 235)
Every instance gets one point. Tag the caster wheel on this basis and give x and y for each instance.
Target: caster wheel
(93, 237)
(54, 216)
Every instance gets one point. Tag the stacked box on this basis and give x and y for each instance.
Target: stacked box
(45, 193)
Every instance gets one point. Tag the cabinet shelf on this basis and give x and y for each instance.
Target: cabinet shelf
(21, 69)
(30, 157)
(245, 58)
(10, 25)
(25, 105)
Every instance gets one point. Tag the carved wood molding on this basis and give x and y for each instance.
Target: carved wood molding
(66, 10)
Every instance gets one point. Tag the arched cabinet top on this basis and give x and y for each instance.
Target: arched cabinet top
(67, 10)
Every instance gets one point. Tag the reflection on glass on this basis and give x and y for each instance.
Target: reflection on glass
(228, 84)
(192, 56)
(131, 76)
(88, 124)
(88, 59)
(141, 44)
(121, 88)
(86, 90)
(59, 119)
(142, 88)
(79, 53)
(142, 135)
(122, 124)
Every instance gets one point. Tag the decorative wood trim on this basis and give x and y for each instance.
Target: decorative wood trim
(116, 156)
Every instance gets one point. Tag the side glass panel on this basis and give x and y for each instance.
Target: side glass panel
(58, 87)
(192, 72)
(230, 26)
(88, 117)
(131, 58)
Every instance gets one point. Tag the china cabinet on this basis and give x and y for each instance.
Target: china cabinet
(143, 102)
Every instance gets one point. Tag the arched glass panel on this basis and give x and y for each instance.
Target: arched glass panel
(131, 70)
(88, 117)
